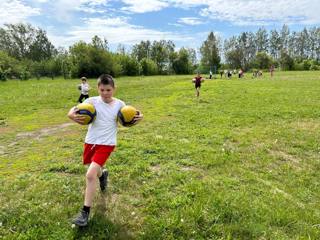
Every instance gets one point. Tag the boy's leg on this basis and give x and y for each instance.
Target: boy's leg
(80, 98)
(94, 171)
(103, 180)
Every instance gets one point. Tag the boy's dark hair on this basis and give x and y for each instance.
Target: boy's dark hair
(105, 79)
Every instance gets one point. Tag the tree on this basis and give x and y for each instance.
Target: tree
(148, 67)
(210, 52)
(275, 44)
(262, 61)
(262, 40)
(129, 65)
(233, 53)
(302, 44)
(314, 39)
(160, 54)
(23, 41)
(284, 38)
(286, 62)
(182, 63)
(98, 43)
(234, 58)
(141, 50)
(91, 61)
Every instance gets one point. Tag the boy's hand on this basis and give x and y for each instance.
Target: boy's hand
(74, 116)
(138, 117)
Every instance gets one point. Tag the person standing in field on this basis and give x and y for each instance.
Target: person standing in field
(271, 70)
(100, 140)
(84, 89)
(221, 73)
(240, 73)
(197, 83)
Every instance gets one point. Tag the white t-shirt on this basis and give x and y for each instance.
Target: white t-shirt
(103, 130)
(84, 88)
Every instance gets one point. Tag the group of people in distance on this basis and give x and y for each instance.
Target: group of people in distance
(228, 73)
(255, 73)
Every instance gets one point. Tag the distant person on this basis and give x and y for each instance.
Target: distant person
(229, 74)
(271, 70)
(254, 73)
(84, 89)
(226, 73)
(221, 73)
(197, 83)
(240, 73)
(210, 74)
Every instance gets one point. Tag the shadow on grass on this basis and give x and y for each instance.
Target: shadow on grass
(100, 227)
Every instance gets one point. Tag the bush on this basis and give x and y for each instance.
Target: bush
(315, 67)
(25, 75)
(298, 66)
(148, 67)
(306, 64)
(130, 66)
(3, 75)
(261, 61)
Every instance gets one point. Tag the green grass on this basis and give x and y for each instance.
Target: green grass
(240, 162)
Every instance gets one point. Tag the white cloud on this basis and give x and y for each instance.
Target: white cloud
(115, 30)
(13, 11)
(142, 6)
(261, 12)
(95, 2)
(239, 12)
(64, 11)
(190, 21)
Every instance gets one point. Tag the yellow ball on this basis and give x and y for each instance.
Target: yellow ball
(126, 116)
(87, 110)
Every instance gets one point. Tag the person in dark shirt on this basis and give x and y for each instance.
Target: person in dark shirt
(197, 83)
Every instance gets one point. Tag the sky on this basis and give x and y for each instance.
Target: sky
(186, 22)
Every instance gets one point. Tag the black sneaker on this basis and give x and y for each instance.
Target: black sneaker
(103, 180)
(82, 219)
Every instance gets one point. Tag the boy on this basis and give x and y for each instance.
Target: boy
(240, 73)
(221, 73)
(271, 70)
(197, 83)
(100, 140)
(84, 89)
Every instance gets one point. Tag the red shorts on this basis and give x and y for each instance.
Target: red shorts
(96, 153)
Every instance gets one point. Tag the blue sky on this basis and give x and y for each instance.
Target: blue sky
(128, 22)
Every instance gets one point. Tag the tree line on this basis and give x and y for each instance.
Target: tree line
(26, 51)
(284, 49)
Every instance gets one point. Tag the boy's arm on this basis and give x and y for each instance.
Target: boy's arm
(72, 114)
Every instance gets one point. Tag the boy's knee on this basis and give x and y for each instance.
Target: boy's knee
(91, 175)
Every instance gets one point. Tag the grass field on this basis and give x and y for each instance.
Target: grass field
(240, 162)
